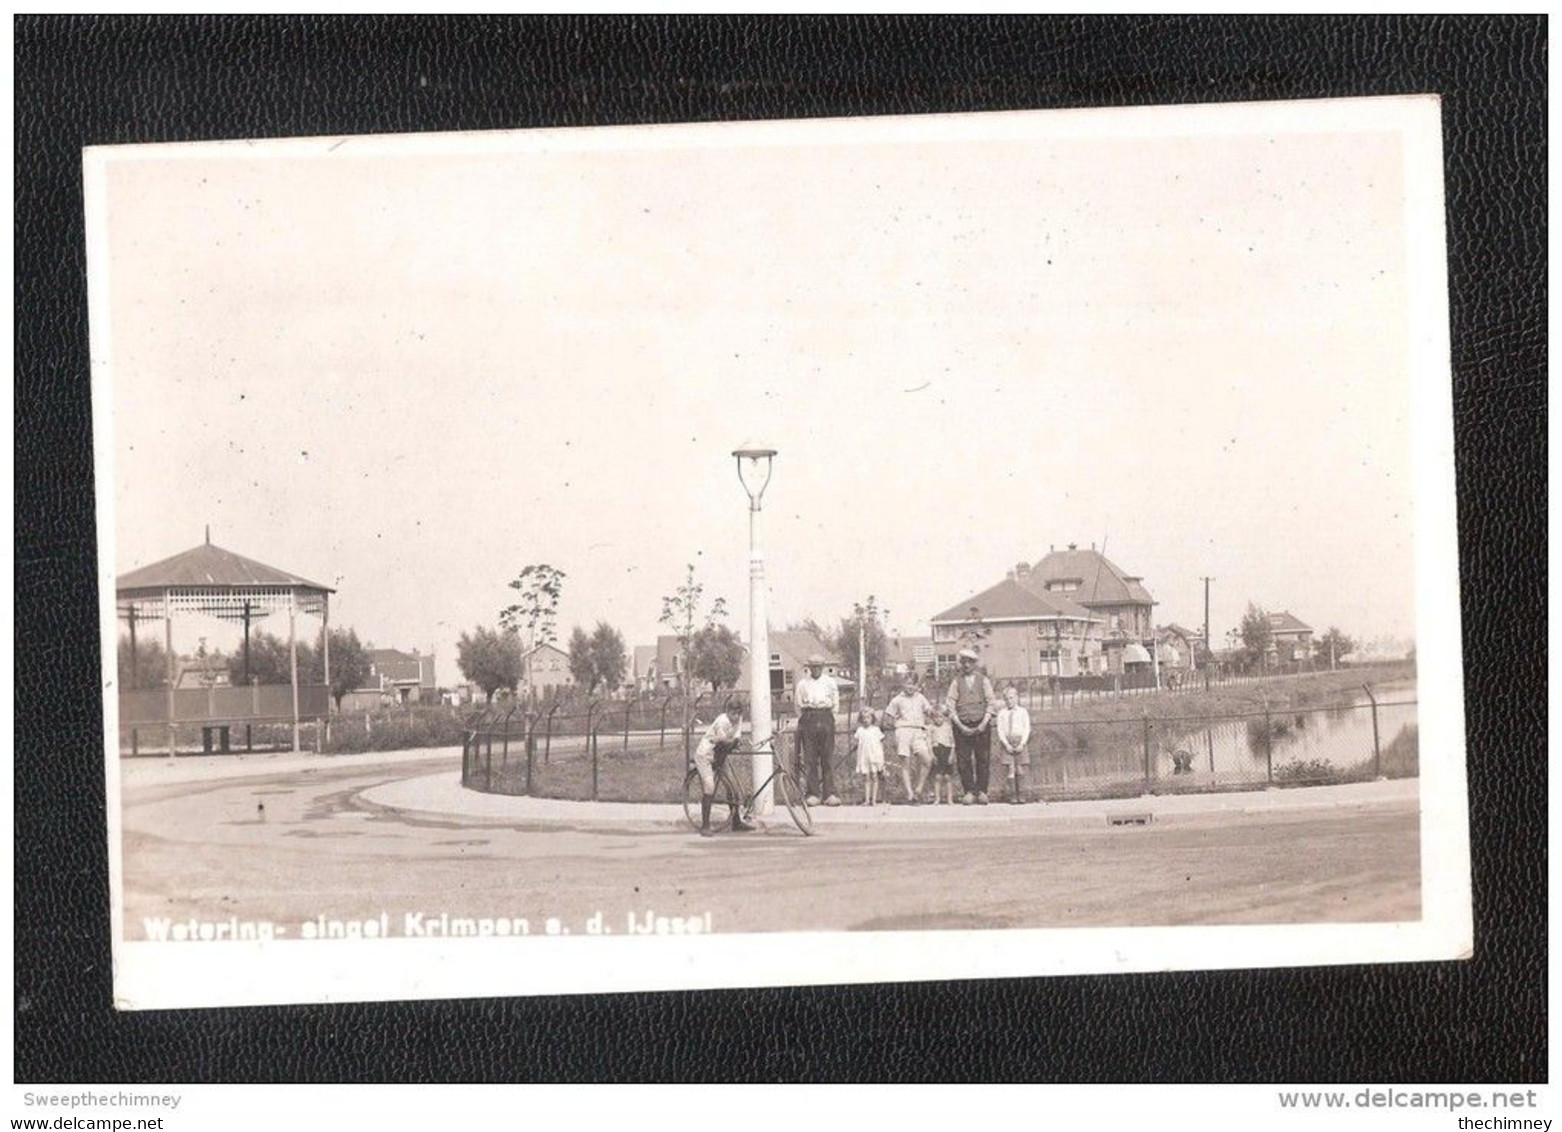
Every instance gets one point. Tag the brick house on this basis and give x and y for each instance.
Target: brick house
(395, 677)
(1075, 612)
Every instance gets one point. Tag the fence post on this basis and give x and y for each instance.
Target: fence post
(547, 739)
(1269, 745)
(504, 753)
(662, 738)
(488, 766)
(1148, 786)
(591, 744)
(1377, 750)
(628, 707)
(531, 746)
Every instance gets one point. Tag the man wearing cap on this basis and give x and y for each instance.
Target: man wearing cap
(817, 700)
(972, 704)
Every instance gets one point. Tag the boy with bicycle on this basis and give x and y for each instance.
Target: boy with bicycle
(710, 757)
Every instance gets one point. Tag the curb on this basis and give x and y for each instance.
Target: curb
(440, 797)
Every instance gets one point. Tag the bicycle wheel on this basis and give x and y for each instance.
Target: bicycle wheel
(796, 803)
(693, 793)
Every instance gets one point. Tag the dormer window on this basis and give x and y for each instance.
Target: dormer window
(1064, 585)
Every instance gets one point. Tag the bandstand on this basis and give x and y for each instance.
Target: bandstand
(214, 582)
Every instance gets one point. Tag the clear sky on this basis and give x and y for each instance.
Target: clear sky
(410, 376)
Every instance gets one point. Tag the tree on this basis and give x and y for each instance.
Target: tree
(150, 669)
(864, 628)
(681, 614)
(609, 655)
(537, 607)
(490, 658)
(582, 660)
(269, 662)
(1257, 635)
(716, 657)
(1334, 646)
(349, 664)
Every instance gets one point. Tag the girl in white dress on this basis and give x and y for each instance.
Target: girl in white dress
(869, 744)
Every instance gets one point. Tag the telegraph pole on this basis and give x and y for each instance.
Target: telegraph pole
(1207, 643)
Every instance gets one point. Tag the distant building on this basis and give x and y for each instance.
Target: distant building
(789, 653)
(642, 668)
(1073, 613)
(546, 666)
(1180, 648)
(902, 654)
(395, 677)
(1291, 640)
(202, 672)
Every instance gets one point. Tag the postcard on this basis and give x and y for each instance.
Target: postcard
(777, 553)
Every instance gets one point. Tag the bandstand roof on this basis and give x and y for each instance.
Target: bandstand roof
(209, 566)
(211, 580)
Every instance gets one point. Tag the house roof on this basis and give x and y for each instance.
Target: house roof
(385, 656)
(210, 566)
(1287, 622)
(798, 645)
(1011, 599)
(550, 648)
(1101, 581)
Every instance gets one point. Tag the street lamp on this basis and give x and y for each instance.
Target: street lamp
(754, 466)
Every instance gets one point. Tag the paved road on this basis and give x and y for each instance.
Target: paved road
(293, 844)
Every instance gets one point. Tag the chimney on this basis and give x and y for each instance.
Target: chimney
(1010, 575)
(1021, 570)
(1073, 546)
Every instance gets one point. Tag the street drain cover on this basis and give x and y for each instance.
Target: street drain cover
(1130, 819)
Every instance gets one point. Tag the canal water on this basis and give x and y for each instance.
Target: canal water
(1307, 743)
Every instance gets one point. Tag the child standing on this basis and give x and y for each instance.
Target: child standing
(869, 744)
(910, 712)
(943, 738)
(1013, 730)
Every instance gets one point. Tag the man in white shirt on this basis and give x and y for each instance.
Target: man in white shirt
(817, 701)
(1013, 728)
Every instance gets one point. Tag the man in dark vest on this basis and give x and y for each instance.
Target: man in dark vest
(971, 705)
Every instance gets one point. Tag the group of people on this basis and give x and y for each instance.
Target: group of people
(932, 742)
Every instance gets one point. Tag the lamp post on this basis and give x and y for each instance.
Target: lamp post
(754, 467)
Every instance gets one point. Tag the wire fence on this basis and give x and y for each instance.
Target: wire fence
(614, 752)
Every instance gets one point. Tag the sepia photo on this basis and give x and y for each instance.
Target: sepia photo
(777, 553)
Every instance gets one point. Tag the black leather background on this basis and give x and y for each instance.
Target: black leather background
(92, 80)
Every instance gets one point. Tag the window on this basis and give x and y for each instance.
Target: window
(1064, 585)
(945, 633)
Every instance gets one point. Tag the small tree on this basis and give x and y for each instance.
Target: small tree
(349, 664)
(1257, 634)
(1334, 646)
(681, 614)
(716, 657)
(148, 668)
(269, 662)
(582, 660)
(491, 659)
(536, 607)
(607, 655)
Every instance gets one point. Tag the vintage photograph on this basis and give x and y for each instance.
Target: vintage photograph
(777, 553)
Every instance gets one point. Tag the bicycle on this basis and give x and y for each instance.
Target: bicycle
(729, 793)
